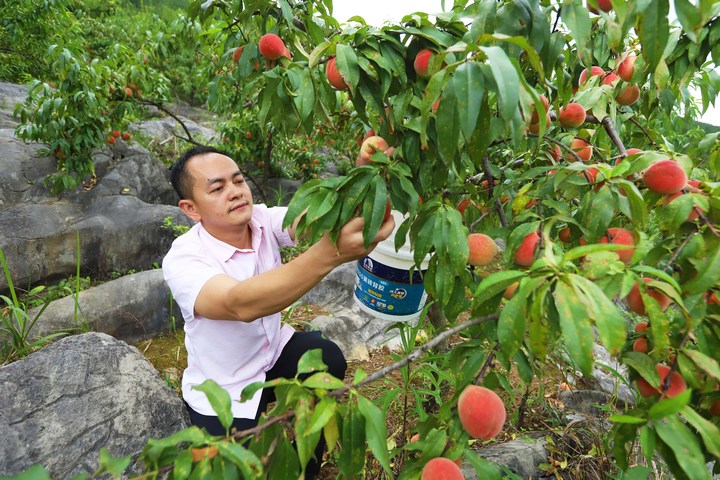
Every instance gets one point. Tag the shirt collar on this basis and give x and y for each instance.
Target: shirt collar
(224, 250)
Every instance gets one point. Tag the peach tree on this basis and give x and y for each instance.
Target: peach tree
(566, 131)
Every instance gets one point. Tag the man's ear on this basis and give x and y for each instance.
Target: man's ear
(188, 208)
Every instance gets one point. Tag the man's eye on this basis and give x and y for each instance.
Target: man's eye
(215, 189)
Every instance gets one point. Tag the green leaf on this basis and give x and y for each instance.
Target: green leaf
(469, 88)
(323, 413)
(709, 432)
(653, 29)
(352, 452)
(511, 325)
(447, 124)
(374, 209)
(346, 61)
(306, 443)
(249, 464)
(599, 214)
(706, 363)
(219, 400)
(376, 432)
(708, 273)
(324, 381)
(684, 445)
(608, 319)
(647, 441)
(494, 284)
(507, 81)
(622, 418)
(669, 406)
(576, 328)
(575, 15)
(302, 93)
(36, 472)
(311, 361)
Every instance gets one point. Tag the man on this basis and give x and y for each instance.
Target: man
(226, 275)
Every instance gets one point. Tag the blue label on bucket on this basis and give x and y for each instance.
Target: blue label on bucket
(388, 290)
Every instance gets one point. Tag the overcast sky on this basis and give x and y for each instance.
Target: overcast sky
(376, 12)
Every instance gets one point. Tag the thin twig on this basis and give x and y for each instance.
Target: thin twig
(669, 268)
(486, 366)
(491, 181)
(613, 134)
(641, 127)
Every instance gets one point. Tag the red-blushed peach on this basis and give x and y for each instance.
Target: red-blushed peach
(628, 95)
(695, 212)
(591, 175)
(626, 68)
(369, 146)
(422, 59)
(594, 71)
(333, 75)
(715, 408)
(441, 468)
(208, 452)
(481, 411)
(524, 255)
(572, 115)
(582, 148)
(482, 249)
(711, 298)
(604, 5)
(621, 236)
(636, 303)
(556, 153)
(510, 290)
(610, 79)
(565, 235)
(640, 345)
(464, 203)
(534, 128)
(535, 117)
(271, 46)
(665, 177)
(238, 53)
(641, 327)
(677, 383)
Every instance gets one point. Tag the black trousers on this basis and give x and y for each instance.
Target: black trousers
(285, 367)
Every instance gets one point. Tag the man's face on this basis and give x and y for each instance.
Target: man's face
(221, 198)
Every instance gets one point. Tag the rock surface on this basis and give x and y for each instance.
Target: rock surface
(76, 396)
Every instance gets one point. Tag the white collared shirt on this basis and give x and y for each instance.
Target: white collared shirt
(233, 353)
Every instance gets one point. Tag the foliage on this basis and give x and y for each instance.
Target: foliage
(467, 123)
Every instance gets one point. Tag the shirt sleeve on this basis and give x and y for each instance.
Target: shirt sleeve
(276, 215)
(186, 271)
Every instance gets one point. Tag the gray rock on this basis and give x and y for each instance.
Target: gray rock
(64, 403)
(131, 308)
(521, 456)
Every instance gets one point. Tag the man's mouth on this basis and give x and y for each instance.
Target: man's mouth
(239, 205)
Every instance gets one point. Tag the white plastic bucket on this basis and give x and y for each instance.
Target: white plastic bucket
(384, 285)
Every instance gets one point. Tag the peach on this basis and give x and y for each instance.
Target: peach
(610, 79)
(238, 53)
(694, 213)
(604, 5)
(481, 411)
(711, 298)
(572, 115)
(441, 468)
(510, 290)
(635, 301)
(556, 153)
(665, 177)
(582, 148)
(591, 175)
(434, 107)
(640, 345)
(715, 408)
(626, 68)
(628, 95)
(535, 118)
(621, 236)
(534, 128)
(565, 235)
(525, 254)
(677, 383)
(368, 148)
(463, 204)
(333, 75)
(422, 59)
(271, 46)
(208, 452)
(126, 136)
(594, 71)
(641, 327)
(482, 249)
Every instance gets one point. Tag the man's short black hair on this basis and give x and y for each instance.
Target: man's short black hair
(180, 179)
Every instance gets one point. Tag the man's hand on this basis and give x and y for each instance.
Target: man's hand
(350, 244)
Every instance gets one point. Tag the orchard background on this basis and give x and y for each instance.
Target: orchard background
(601, 185)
